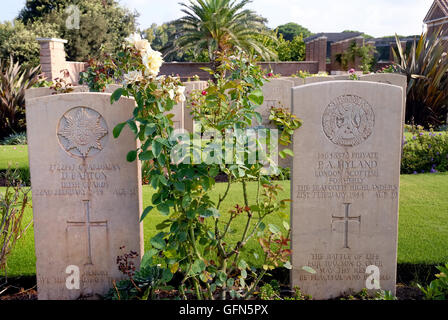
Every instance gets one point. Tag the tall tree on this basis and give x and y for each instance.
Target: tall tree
(162, 39)
(220, 26)
(292, 30)
(37, 9)
(103, 24)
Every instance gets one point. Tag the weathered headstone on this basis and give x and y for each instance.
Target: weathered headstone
(309, 80)
(46, 91)
(189, 87)
(345, 187)
(297, 80)
(341, 77)
(277, 93)
(86, 196)
(111, 88)
(393, 79)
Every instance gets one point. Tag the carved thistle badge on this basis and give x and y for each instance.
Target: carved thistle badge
(348, 121)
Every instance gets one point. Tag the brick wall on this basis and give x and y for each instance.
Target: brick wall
(52, 59)
(340, 47)
(316, 50)
(186, 70)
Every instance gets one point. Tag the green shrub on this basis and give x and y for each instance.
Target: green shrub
(424, 151)
(426, 67)
(438, 289)
(15, 139)
(13, 203)
(14, 80)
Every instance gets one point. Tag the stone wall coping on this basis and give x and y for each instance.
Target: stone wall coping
(51, 40)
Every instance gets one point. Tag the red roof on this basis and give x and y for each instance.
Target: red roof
(437, 4)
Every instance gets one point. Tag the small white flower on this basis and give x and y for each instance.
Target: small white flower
(171, 94)
(133, 76)
(143, 46)
(180, 97)
(133, 38)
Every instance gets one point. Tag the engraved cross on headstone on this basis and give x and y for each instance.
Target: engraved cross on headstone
(87, 224)
(346, 220)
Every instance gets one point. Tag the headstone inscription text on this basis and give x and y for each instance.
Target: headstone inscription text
(345, 186)
(86, 196)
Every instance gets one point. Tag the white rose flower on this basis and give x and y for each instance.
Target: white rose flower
(143, 46)
(180, 97)
(152, 61)
(133, 38)
(171, 94)
(133, 76)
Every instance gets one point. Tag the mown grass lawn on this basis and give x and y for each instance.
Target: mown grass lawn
(13, 156)
(423, 225)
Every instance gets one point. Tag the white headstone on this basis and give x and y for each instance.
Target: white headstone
(86, 196)
(345, 187)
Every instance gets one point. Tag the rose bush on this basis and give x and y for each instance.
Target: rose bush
(194, 241)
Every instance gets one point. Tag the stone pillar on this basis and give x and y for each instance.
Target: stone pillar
(316, 50)
(52, 57)
(322, 53)
(308, 52)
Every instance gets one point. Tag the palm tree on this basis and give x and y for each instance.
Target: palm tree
(219, 26)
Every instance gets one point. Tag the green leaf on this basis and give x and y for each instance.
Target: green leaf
(222, 276)
(182, 236)
(154, 181)
(158, 242)
(287, 265)
(256, 97)
(156, 148)
(116, 95)
(242, 265)
(163, 142)
(164, 209)
(132, 155)
(186, 201)
(211, 212)
(118, 128)
(146, 156)
(274, 229)
(166, 275)
(180, 186)
(133, 126)
(150, 129)
(145, 212)
(286, 226)
(198, 266)
(147, 257)
(288, 152)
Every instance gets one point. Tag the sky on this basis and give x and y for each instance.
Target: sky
(373, 17)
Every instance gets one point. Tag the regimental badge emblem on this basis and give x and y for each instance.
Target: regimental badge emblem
(348, 121)
(82, 132)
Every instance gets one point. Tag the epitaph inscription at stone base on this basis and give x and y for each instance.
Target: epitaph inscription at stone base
(86, 196)
(345, 187)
